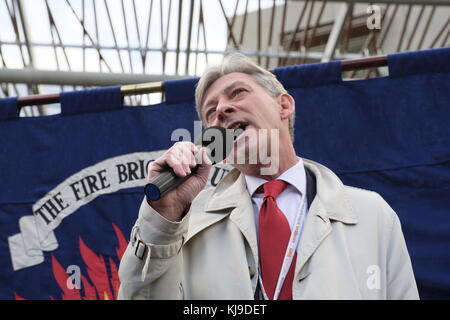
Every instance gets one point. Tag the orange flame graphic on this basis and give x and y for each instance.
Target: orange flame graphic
(98, 285)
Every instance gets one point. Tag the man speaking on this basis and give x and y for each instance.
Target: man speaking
(276, 227)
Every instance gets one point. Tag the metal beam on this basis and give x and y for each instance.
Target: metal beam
(89, 79)
(426, 2)
(252, 53)
(31, 55)
(336, 32)
(25, 27)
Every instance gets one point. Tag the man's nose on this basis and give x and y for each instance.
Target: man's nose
(224, 110)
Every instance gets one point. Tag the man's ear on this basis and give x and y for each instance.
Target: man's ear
(287, 105)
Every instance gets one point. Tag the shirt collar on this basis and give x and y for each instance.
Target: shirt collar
(295, 176)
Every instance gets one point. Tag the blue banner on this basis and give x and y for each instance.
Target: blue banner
(71, 184)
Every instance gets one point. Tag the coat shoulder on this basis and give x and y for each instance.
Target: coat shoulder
(369, 206)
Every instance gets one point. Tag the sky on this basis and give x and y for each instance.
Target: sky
(71, 32)
(134, 35)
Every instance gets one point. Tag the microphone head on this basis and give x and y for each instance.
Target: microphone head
(219, 142)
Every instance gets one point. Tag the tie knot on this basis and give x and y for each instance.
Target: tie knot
(274, 188)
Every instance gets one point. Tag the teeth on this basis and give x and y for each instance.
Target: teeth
(239, 125)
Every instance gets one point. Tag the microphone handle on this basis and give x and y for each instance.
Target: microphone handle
(163, 183)
(166, 181)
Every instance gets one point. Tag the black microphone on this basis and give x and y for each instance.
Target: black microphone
(218, 142)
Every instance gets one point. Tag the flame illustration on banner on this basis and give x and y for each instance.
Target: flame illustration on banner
(99, 284)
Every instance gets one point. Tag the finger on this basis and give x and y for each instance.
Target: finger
(185, 162)
(204, 166)
(170, 159)
(187, 145)
(175, 162)
(205, 158)
(179, 157)
(184, 154)
(204, 161)
(156, 167)
(193, 147)
(181, 152)
(189, 156)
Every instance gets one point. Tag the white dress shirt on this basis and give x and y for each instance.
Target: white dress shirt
(289, 200)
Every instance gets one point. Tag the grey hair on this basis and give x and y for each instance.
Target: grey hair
(237, 62)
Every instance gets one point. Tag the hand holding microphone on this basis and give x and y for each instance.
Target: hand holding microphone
(179, 175)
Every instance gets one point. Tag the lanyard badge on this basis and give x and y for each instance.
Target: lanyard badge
(289, 254)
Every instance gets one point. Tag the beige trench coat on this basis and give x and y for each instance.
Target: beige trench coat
(352, 247)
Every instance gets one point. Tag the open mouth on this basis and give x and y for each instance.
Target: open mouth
(241, 125)
(238, 128)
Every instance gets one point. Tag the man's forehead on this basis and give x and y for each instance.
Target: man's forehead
(228, 80)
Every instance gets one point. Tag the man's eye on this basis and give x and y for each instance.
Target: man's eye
(210, 113)
(237, 91)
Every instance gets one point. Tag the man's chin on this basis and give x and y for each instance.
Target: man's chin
(249, 160)
(260, 170)
(241, 155)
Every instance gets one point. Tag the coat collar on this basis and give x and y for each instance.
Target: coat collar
(332, 201)
(329, 203)
(331, 195)
(228, 192)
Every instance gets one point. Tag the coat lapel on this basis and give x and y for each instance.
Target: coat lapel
(229, 198)
(231, 194)
(315, 230)
(243, 217)
(328, 204)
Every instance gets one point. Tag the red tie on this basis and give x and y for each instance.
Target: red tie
(274, 233)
